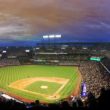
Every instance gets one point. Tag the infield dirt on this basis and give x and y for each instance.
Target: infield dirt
(23, 83)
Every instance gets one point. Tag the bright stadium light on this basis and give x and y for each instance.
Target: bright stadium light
(45, 37)
(27, 51)
(51, 36)
(57, 36)
(4, 51)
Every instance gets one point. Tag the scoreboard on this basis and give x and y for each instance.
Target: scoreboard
(97, 59)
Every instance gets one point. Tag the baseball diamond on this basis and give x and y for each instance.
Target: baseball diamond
(46, 83)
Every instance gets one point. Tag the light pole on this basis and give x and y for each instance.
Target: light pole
(58, 37)
(45, 37)
(51, 37)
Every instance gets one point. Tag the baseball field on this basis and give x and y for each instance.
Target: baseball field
(40, 82)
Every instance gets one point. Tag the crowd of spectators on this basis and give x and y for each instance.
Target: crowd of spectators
(62, 59)
(98, 93)
(90, 103)
(93, 73)
(9, 62)
(75, 63)
(95, 76)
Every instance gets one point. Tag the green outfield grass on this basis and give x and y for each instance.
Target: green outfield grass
(11, 74)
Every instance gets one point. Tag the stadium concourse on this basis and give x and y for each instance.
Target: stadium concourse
(95, 74)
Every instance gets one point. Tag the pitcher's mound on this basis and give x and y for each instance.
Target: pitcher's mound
(44, 87)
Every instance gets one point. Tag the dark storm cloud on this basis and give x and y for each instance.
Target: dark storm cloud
(74, 19)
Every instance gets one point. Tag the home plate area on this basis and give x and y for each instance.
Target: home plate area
(44, 86)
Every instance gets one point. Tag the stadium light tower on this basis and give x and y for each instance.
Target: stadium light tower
(4, 51)
(45, 37)
(51, 36)
(58, 36)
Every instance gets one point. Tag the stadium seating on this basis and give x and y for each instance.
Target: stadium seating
(94, 74)
(9, 62)
(91, 103)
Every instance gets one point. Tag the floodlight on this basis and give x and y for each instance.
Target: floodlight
(51, 36)
(4, 51)
(27, 51)
(45, 37)
(58, 36)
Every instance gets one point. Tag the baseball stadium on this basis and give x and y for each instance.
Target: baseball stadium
(50, 73)
(54, 55)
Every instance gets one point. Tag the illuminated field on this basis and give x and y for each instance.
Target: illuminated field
(46, 83)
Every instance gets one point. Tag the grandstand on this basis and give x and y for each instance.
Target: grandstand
(95, 75)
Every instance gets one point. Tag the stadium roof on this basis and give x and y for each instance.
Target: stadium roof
(25, 21)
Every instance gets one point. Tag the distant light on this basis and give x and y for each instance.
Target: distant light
(84, 48)
(0, 55)
(37, 48)
(27, 51)
(63, 48)
(51, 36)
(45, 37)
(58, 36)
(4, 51)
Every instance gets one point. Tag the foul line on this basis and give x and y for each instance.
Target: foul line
(21, 84)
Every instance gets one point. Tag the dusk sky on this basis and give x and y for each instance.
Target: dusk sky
(76, 20)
